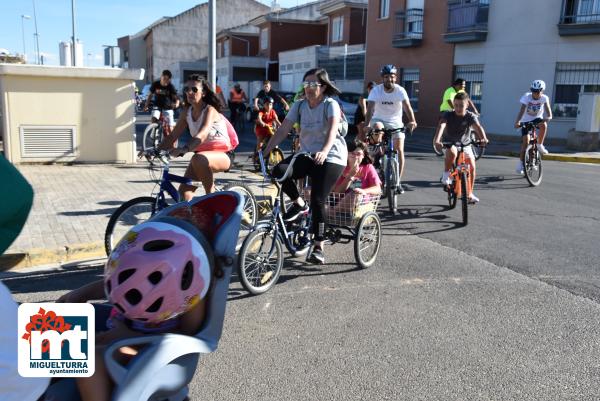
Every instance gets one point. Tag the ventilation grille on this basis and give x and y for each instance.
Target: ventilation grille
(47, 141)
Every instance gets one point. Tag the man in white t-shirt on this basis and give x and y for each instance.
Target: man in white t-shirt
(534, 105)
(385, 104)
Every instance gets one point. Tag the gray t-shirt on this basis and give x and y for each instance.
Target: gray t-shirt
(313, 129)
(458, 128)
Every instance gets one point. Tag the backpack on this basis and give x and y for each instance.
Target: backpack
(233, 138)
(342, 124)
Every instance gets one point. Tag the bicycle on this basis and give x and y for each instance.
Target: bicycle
(389, 170)
(261, 256)
(138, 210)
(459, 174)
(154, 133)
(532, 162)
(478, 149)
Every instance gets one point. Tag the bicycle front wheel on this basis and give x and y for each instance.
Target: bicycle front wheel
(368, 240)
(260, 260)
(390, 185)
(464, 198)
(152, 136)
(533, 166)
(129, 214)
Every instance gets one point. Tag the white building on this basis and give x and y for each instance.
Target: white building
(557, 41)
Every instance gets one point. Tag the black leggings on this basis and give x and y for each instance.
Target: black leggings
(323, 179)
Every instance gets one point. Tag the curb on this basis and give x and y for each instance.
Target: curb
(40, 256)
(555, 157)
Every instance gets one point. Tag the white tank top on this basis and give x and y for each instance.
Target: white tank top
(217, 138)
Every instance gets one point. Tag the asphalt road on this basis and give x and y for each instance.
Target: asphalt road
(503, 309)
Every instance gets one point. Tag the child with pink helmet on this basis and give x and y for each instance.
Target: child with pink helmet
(156, 279)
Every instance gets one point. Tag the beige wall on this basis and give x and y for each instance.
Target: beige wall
(97, 102)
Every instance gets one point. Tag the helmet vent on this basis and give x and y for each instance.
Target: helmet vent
(187, 276)
(133, 296)
(157, 245)
(155, 278)
(124, 275)
(155, 306)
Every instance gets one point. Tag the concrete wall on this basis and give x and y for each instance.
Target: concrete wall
(433, 57)
(185, 36)
(98, 102)
(519, 49)
(292, 66)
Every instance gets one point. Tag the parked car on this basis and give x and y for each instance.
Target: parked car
(348, 102)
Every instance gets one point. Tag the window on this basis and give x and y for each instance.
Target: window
(337, 29)
(410, 82)
(264, 39)
(570, 80)
(384, 8)
(226, 48)
(473, 74)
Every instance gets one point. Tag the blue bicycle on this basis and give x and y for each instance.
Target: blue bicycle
(140, 209)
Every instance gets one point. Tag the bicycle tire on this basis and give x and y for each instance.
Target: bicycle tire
(451, 196)
(109, 234)
(152, 136)
(256, 276)
(390, 189)
(464, 198)
(250, 208)
(363, 236)
(533, 166)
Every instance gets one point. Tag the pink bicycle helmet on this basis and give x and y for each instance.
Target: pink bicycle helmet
(159, 270)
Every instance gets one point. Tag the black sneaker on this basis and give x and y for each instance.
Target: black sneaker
(294, 212)
(400, 189)
(317, 256)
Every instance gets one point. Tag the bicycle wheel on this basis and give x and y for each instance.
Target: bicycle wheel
(260, 260)
(390, 185)
(464, 198)
(451, 196)
(250, 211)
(129, 214)
(152, 136)
(478, 150)
(533, 166)
(368, 240)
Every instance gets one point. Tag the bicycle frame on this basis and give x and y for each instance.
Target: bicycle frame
(460, 166)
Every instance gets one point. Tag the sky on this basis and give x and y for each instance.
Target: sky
(97, 23)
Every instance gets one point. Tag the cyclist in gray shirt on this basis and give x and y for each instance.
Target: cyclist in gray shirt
(318, 116)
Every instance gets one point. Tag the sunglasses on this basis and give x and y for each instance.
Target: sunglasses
(312, 85)
(377, 131)
(191, 89)
(535, 91)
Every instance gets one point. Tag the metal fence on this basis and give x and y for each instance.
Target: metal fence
(409, 24)
(473, 74)
(570, 80)
(342, 63)
(468, 17)
(580, 12)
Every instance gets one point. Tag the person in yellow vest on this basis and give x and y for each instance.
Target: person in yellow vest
(458, 85)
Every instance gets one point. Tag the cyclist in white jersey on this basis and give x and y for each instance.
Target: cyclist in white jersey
(385, 104)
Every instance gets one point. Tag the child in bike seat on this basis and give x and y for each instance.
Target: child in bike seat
(458, 124)
(359, 179)
(374, 138)
(266, 123)
(156, 280)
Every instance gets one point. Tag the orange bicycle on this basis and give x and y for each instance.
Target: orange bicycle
(460, 173)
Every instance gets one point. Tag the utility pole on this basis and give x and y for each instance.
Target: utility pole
(73, 37)
(212, 43)
(23, 18)
(37, 35)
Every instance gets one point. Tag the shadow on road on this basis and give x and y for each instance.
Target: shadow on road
(487, 182)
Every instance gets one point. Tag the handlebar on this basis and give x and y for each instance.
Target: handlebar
(532, 123)
(152, 154)
(289, 169)
(464, 145)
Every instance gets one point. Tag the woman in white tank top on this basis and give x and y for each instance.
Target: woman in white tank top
(210, 140)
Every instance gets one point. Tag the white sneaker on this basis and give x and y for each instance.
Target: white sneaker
(520, 168)
(446, 180)
(473, 199)
(542, 149)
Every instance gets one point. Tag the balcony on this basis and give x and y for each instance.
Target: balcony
(408, 31)
(579, 17)
(467, 22)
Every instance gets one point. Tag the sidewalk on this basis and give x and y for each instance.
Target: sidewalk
(72, 205)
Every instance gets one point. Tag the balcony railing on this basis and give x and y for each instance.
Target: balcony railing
(467, 22)
(408, 31)
(579, 17)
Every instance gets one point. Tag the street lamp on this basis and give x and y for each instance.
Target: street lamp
(23, 18)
